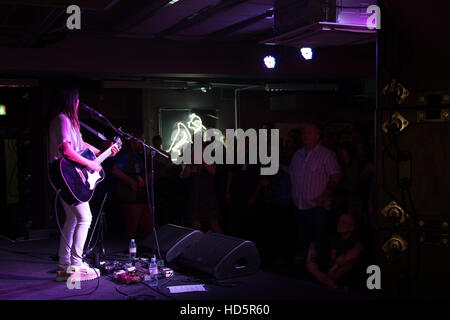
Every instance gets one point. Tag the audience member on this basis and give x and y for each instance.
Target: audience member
(241, 194)
(129, 170)
(344, 255)
(315, 175)
(168, 187)
(202, 202)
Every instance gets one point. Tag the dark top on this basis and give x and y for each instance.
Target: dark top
(202, 202)
(244, 181)
(124, 158)
(131, 164)
(342, 246)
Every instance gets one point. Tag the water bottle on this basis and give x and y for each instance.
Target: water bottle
(132, 250)
(153, 271)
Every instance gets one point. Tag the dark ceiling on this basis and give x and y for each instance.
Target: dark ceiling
(31, 23)
(171, 39)
(213, 39)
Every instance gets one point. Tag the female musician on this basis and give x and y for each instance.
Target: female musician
(65, 140)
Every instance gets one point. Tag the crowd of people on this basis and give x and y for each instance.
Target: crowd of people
(315, 212)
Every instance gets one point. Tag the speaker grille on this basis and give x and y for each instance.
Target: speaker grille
(222, 256)
(173, 240)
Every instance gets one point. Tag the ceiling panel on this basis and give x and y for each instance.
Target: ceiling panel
(167, 17)
(264, 24)
(237, 14)
(84, 4)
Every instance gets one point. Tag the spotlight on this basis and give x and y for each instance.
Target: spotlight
(307, 53)
(270, 62)
(2, 110)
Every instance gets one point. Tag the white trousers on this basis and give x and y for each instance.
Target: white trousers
(75, 231)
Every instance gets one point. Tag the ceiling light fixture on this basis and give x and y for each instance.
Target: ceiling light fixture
(307, 53)
(270, 62)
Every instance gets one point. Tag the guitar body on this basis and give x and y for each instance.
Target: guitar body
(77, 183)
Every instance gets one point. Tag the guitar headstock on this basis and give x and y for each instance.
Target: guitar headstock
(117, 142)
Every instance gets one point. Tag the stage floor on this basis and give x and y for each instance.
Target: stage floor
(27, 272)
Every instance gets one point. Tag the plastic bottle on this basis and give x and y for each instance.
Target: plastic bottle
(153, 271)
(132, 250)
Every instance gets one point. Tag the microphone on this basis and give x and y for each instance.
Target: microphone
(92, 111)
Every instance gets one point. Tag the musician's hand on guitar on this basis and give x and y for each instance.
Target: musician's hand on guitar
(94, 166)
(114, 151)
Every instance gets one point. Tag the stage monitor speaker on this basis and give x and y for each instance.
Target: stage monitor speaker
(172, 240)
(221, 256)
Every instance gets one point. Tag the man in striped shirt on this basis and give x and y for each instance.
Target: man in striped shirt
(315, 174)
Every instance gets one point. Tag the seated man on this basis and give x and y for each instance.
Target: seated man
(344, 255)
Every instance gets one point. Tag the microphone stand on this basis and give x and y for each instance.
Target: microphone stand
(153, 152)
(99, 245)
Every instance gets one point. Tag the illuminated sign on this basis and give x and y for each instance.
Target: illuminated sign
(182, 135)
(2, 110)
(195, 123)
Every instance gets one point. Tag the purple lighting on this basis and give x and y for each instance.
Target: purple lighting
(353, 12)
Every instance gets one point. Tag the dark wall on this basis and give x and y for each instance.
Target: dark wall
(97, 54)
(255, 109)
(413, 45)
(123, 107)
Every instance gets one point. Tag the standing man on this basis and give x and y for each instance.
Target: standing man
(315, 175)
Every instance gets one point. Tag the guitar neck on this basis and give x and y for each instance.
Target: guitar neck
(104, 155)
